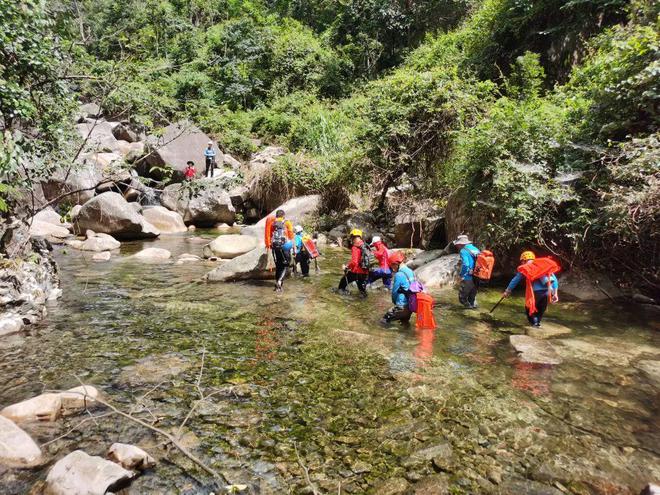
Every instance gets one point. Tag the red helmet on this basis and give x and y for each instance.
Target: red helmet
(397, 257)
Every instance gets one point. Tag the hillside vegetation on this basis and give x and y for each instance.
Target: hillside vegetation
(538, 120)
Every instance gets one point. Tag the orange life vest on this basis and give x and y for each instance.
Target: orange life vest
(483, 265)
(425, 318)
(310, 247)
(540, 267)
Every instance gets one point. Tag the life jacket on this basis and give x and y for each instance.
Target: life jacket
(310, 247)
(539, 268)
(483, 265)
(425, 318)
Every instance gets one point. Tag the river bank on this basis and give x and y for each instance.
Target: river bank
(307, 385)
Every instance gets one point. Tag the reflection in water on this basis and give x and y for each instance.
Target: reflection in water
(266, 342)
(531, 377)
(424, 348)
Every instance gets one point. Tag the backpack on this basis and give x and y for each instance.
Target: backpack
(414, 287)
(483, 265)
(365, 259)
(278, 238)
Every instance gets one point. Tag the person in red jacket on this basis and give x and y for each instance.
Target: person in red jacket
(358, 269)
(382, 255)
(189, 172)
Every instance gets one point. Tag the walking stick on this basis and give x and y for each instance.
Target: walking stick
(498, 303)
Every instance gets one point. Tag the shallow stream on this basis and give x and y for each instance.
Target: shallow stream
(306, 392)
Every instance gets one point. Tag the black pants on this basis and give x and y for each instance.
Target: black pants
(302, 257)
(210, 166)
(359, 278)
(467, 293)
(282, 262)
(541, 301)
(398, 313)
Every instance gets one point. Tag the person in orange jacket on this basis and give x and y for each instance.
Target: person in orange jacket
(278, 238)
(357, 270)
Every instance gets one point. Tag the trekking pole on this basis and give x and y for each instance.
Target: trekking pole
(498, 303)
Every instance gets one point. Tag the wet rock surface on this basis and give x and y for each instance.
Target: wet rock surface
(531, 350)
(17, 448)
(230, 246)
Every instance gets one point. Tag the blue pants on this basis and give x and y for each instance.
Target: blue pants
(378, 273)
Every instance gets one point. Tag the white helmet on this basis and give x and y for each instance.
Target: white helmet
(297, 229)
(210, 142)
(375, 238)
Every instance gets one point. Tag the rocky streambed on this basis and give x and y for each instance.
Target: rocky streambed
(304, 392)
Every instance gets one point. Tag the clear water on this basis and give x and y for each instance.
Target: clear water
(310, 378)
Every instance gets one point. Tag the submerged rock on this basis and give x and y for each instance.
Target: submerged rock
(441, 272)
(152, 255)
(531, 350)
(548, 330)
(252, 265)
(604, 351)
(17, 448)
(153, 369)
(130, 456)
(103, 256)
(81, 474)
(230, 246)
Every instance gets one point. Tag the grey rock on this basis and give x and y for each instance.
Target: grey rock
(424, 257)
(110, 213)
(252, 265)
(166, 221)
(180, 142)
(130, 456)
(531, 350)
(211, 206)
(230, 246)
(83, 474)
(152, 255)
(441, 272)
(298, 210)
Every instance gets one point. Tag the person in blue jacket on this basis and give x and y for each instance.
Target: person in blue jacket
(402, 277)
(209, 154)
(467, 292)
(301, 254)
(540, 287)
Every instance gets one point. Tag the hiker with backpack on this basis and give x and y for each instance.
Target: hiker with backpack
(541, 285)
(467, 292)
(381, 254)
(278, 238)
(357, 270)
(409, 296)
(302, 254)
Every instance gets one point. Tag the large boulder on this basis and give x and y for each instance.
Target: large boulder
(424, 258)
(298, 210)
(230, 246)
(83, 474)
(17, 449)
(39, 228)
(166, 221)
(76, 185)
(441, 272)
(212, 205)
(98, 135)
(110, 213)
(252, 265)
(180, 142)
(588, 286)
(419, 231)
(123, 132)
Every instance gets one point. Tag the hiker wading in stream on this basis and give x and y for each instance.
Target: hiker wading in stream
(357, 269)
(279, 239)
(541, 285)
(467, 292)
(402, 277)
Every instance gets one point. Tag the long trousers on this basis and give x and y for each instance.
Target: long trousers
(359, 278)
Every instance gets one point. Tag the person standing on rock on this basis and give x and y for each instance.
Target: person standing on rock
(467, 292)
(402, 276)
(357, 269)
(541, 285)
(381, 253)
(189, 172)
(279, 239)
(209, 154)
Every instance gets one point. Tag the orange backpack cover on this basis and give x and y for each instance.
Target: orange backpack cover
(540, 267)
(483, 265)
(425, 318)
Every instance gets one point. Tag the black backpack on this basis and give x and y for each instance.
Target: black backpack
(278, 239)
(365, 259)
